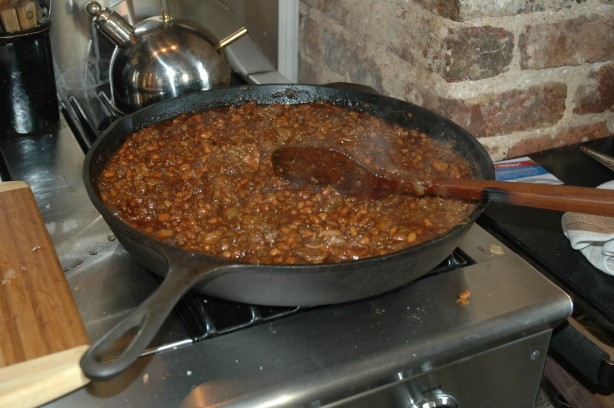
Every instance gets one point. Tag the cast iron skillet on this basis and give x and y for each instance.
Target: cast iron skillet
(273, 285)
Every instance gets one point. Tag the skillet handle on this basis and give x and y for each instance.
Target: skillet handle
(551, 197)
(141, 325)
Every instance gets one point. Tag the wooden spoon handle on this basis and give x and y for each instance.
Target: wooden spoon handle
(552, 197)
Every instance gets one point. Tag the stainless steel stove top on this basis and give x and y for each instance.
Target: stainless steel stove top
(317, 357)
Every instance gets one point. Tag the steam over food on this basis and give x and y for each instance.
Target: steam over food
(204, 182)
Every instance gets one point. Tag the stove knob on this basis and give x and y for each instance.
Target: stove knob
(436, 401)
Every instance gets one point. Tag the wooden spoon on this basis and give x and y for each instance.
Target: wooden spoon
(324, 165)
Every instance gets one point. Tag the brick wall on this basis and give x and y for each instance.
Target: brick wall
(520, 75)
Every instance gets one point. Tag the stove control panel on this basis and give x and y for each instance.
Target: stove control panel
(436, 401)
(504, 376)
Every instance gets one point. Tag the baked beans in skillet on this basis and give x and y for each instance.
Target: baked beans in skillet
(204, 182)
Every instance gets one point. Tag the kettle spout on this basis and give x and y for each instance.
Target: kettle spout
(112, 25)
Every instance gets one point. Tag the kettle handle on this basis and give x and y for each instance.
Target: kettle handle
(112, 25)
(231, 38)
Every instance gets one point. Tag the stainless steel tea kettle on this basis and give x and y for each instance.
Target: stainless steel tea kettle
(160, 58)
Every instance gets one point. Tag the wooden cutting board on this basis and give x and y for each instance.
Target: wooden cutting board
(42, 336)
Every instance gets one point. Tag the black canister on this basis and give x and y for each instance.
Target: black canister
(28, 97)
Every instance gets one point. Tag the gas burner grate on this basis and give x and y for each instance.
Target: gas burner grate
(89, 116)
(204, 317)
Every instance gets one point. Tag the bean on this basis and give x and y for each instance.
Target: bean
(164, 217)
(164, 233)
(274, 252)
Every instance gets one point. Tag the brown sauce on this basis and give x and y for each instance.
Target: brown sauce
(204, 182)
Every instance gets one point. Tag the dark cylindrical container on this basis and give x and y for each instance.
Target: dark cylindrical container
(28, 98)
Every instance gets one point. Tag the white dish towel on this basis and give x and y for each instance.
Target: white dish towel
(593, 235)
